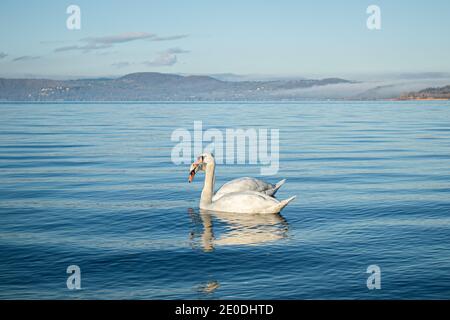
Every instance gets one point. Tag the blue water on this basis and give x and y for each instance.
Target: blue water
(94, 185)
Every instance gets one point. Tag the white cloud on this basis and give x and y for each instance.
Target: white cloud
(181, 36)
(86, 48)
(176, 51)
(96, 43)
(120, 38)
(26, 58)
(163, 59)
(3, 55)
(166, 58)
(122, 64)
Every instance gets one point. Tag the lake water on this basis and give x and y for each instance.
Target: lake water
(93, 185)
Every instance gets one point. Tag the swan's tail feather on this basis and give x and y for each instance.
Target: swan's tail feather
(284, 203)
(275, 189)
(279, 184)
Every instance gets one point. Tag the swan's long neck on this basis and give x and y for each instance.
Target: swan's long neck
(208, 187)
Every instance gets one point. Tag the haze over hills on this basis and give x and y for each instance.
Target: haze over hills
(152, 86)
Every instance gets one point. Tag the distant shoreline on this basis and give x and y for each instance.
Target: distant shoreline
(228, 101)
(421, 99)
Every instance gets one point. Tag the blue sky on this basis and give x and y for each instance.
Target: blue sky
(300, 38)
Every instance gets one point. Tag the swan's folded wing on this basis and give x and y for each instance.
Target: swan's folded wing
(242, 185)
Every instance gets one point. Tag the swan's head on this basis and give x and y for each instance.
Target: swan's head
(200, 164)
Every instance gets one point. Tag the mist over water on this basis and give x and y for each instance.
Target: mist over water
(94, 185)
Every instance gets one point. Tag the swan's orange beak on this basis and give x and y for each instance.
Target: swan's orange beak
(191, 175)
(197, 165)
(193, 170)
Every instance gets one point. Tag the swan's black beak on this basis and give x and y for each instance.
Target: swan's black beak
(191, 176)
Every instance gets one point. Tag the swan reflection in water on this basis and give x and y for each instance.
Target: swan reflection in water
(212, 229)
(209, 287)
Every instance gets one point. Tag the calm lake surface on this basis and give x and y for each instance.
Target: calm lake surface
(93, 185)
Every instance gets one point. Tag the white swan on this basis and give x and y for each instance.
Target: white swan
(238, 202)
(240, 184)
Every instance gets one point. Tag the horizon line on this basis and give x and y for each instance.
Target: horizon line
(244, 77)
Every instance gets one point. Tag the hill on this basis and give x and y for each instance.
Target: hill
(429, 94)
(152, 86)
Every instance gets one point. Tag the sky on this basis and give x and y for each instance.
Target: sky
(321, 38)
